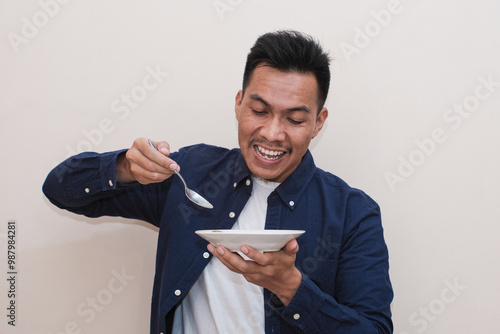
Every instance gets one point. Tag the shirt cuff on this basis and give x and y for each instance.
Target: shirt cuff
(303, 306)
(91, 183)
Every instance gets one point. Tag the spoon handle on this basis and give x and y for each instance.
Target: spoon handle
(176, 172)
(180, 176)
(152, 144)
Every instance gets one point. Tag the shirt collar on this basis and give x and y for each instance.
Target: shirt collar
(293, 187)
(241, 171)
(290, 190)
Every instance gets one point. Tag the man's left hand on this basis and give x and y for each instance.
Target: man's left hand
(274, 271)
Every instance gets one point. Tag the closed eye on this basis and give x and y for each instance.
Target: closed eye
(258, 112)
(295, 122)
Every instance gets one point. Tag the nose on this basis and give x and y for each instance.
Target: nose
(273, 130)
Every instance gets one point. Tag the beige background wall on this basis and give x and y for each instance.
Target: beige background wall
(414, 116)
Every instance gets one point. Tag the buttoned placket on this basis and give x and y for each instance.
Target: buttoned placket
(248, 183)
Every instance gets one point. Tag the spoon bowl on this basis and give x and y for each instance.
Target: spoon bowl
(192, 195)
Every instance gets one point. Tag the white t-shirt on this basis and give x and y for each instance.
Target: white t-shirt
(222, 301)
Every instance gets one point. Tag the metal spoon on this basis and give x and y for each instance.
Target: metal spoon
(192, 195)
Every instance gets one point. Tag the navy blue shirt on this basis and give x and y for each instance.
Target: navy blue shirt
(343, 258)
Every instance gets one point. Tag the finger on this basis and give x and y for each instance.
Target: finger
(143, 160)
(146, 176)
(219, 252)
(233, 261)
(262, 259)
(159, 155)
(143, 169)
(290, 249)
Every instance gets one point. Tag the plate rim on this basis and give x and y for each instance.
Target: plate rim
(250, 232)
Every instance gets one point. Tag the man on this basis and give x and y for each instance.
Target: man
(332, 279)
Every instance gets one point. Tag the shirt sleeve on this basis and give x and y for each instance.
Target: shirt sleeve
(86, 184)
(363, 293)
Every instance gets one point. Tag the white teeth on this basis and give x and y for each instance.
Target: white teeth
(268, 153)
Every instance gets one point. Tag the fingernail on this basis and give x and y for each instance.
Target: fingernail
(210, 248)
(173, 166)
(244, 249)
(220, 250)
(164, 150)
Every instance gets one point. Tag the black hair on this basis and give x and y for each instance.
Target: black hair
(291, 51)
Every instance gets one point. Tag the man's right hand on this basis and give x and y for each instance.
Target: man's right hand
(144, 164)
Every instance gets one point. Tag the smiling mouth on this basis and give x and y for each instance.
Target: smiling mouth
(268, 154)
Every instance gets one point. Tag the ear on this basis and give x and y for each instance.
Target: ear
(320, 121)
(237, 103)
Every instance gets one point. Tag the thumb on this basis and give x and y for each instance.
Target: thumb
(292, 247)
(163, 147)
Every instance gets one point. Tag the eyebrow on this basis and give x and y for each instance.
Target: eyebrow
(257, 97)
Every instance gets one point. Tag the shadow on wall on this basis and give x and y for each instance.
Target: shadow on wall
(99, 220)
(99, 283)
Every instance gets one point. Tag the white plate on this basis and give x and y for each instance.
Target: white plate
(261, 240)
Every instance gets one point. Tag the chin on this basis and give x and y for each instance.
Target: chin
(266, 174)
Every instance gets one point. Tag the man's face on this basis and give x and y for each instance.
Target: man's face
(277, 118)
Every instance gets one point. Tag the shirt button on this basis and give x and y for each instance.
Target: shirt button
(296, 316)
(248, 182)
(235, 184)
(87, 190)
(232, 214)
(110, 183)
(206, 255)
(292, 203)
(177, 292)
